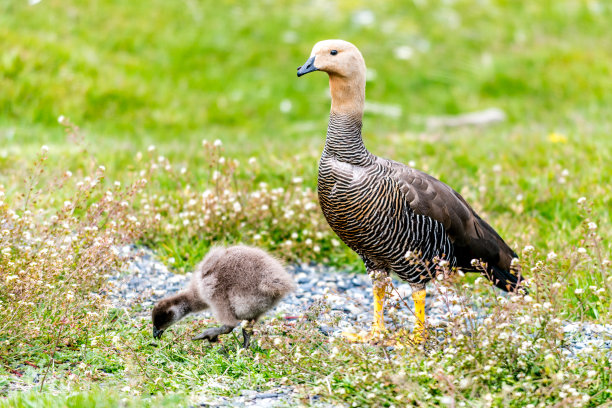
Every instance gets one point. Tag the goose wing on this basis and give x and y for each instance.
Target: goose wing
(472, 237)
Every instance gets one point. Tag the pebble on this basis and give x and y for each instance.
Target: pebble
(146, 280)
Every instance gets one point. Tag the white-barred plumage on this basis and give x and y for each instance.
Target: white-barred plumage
(383, 209)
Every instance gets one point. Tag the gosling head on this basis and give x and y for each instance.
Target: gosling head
(167, 312)
(337, 58)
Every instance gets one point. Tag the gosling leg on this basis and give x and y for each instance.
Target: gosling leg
(247, 332)
(212, 334)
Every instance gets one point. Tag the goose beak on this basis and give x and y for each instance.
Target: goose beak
(157, 333)
(308, 66)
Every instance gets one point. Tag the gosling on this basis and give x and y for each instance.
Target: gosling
(237, 283)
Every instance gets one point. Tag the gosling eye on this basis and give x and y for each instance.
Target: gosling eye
(333, 52)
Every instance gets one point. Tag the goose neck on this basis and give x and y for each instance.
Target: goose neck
(344, 141)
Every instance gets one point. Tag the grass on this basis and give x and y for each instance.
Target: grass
(171, 74)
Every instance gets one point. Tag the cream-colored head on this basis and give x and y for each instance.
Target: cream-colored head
(346, 69)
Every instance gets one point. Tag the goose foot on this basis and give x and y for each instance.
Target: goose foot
(374, 336)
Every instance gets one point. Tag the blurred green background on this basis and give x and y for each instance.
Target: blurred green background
(171, 73)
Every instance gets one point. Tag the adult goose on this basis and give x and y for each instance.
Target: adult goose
(383, 209)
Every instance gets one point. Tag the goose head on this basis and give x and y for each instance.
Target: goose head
(336, 57)
(346, 68)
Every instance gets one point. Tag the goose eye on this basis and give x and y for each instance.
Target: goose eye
(333, 52)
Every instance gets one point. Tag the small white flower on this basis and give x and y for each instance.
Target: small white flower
(44, 148)
(528, 248)
(519, 197)
(551, 255)
(404, 52)
(497, 168)
(256, 237)
(316, 248)
(582, 250)
(151, 148)
(297, 180)
(101, 168)
(67, 203)
(578, 291)
(217, 143)
(447, 400)
(285, 106)
(581, 200)
(252, 161)
(237, 207)
(440, 277)
(61, 119)
(592, 226)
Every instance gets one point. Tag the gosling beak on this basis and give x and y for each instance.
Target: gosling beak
(157, 333)
(308, 66)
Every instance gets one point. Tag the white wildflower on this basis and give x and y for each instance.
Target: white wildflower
(151, 148)
(285, 106)
(528, 248)
(551, 255)
(578, 291)
(217, 143)
(581, 200)
(404, 52)
(582, 250)
(592, 226)
(44, 148)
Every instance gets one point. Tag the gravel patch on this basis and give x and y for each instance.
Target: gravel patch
(349, 296)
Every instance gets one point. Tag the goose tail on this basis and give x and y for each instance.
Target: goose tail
(506, 280)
